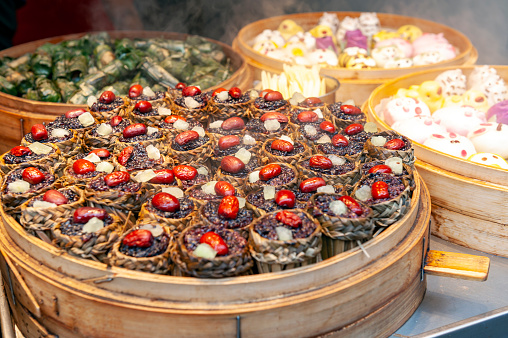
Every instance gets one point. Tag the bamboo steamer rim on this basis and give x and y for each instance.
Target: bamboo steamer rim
(426, 154)
(87, 288)
(272, 285)
(237, 60)
(307, 20)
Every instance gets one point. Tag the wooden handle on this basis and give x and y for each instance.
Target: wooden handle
(457, 265)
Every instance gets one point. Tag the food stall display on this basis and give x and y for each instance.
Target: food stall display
(158, 183)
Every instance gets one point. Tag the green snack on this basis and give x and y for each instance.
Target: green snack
(123, 46)
(95, 61)
(157, 73)
(157, 52)
(21, 63)
(41, 62)
(131, 60)
(97, 80)
(172, 45)
(67, 88)
(78, 98)
(116, 70)
(77, 67)
(47, 90)
(7, 87)
(22, 81)
(32, 94)
(87, 89)
(104, 55)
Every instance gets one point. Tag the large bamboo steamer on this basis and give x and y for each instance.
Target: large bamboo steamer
(19, 114)
(51, 292)
(468, 199)
(356, 84)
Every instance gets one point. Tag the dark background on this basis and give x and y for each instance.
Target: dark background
(484, 22)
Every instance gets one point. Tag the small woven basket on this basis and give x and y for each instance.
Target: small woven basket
(43, 219)
(349, 178)
(388, 212)
(359, 156)
(237, 181)
(220, 266)
(69, 179)
(274, 255)
(94, 142)
(12, 201)
(343, 123)
(222, 111)
(201, 154)
(164, 101)
(116, 202)
(159, 264)
(255, 185)
(267, 157)
(215, 160)
(343, 233)
(199, 114)
(68, 148)
(152, 121)
(159, 143)
(382, 153)
(323, 107)
(96, 247)
(106, 116)
(52, 160)
(199, 202)
(257, 112)
(262, 137)
(163, 163)
(175, 225)
(216, 136)
(243, 231)
(174, 93)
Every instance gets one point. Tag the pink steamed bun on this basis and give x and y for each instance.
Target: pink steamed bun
(490, 138)
(451, 144)
(460, 120)
(403, 108)
(418, 128)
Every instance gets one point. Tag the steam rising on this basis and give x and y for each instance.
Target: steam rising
(484, 22)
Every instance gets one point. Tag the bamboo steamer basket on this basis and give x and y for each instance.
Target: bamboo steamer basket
(19, 114)
(468, 199)
(53, 293)
(355, 84)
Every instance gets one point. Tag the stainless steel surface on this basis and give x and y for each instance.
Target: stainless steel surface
(449, 301)
(490, 324)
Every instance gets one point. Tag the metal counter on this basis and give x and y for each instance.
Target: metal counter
(462, 308)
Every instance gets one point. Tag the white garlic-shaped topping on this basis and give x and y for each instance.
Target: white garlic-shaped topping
(93, 225)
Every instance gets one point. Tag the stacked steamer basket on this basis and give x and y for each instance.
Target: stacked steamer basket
(468, 198)
(356, 84)
(18, 114)
(276, 224)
